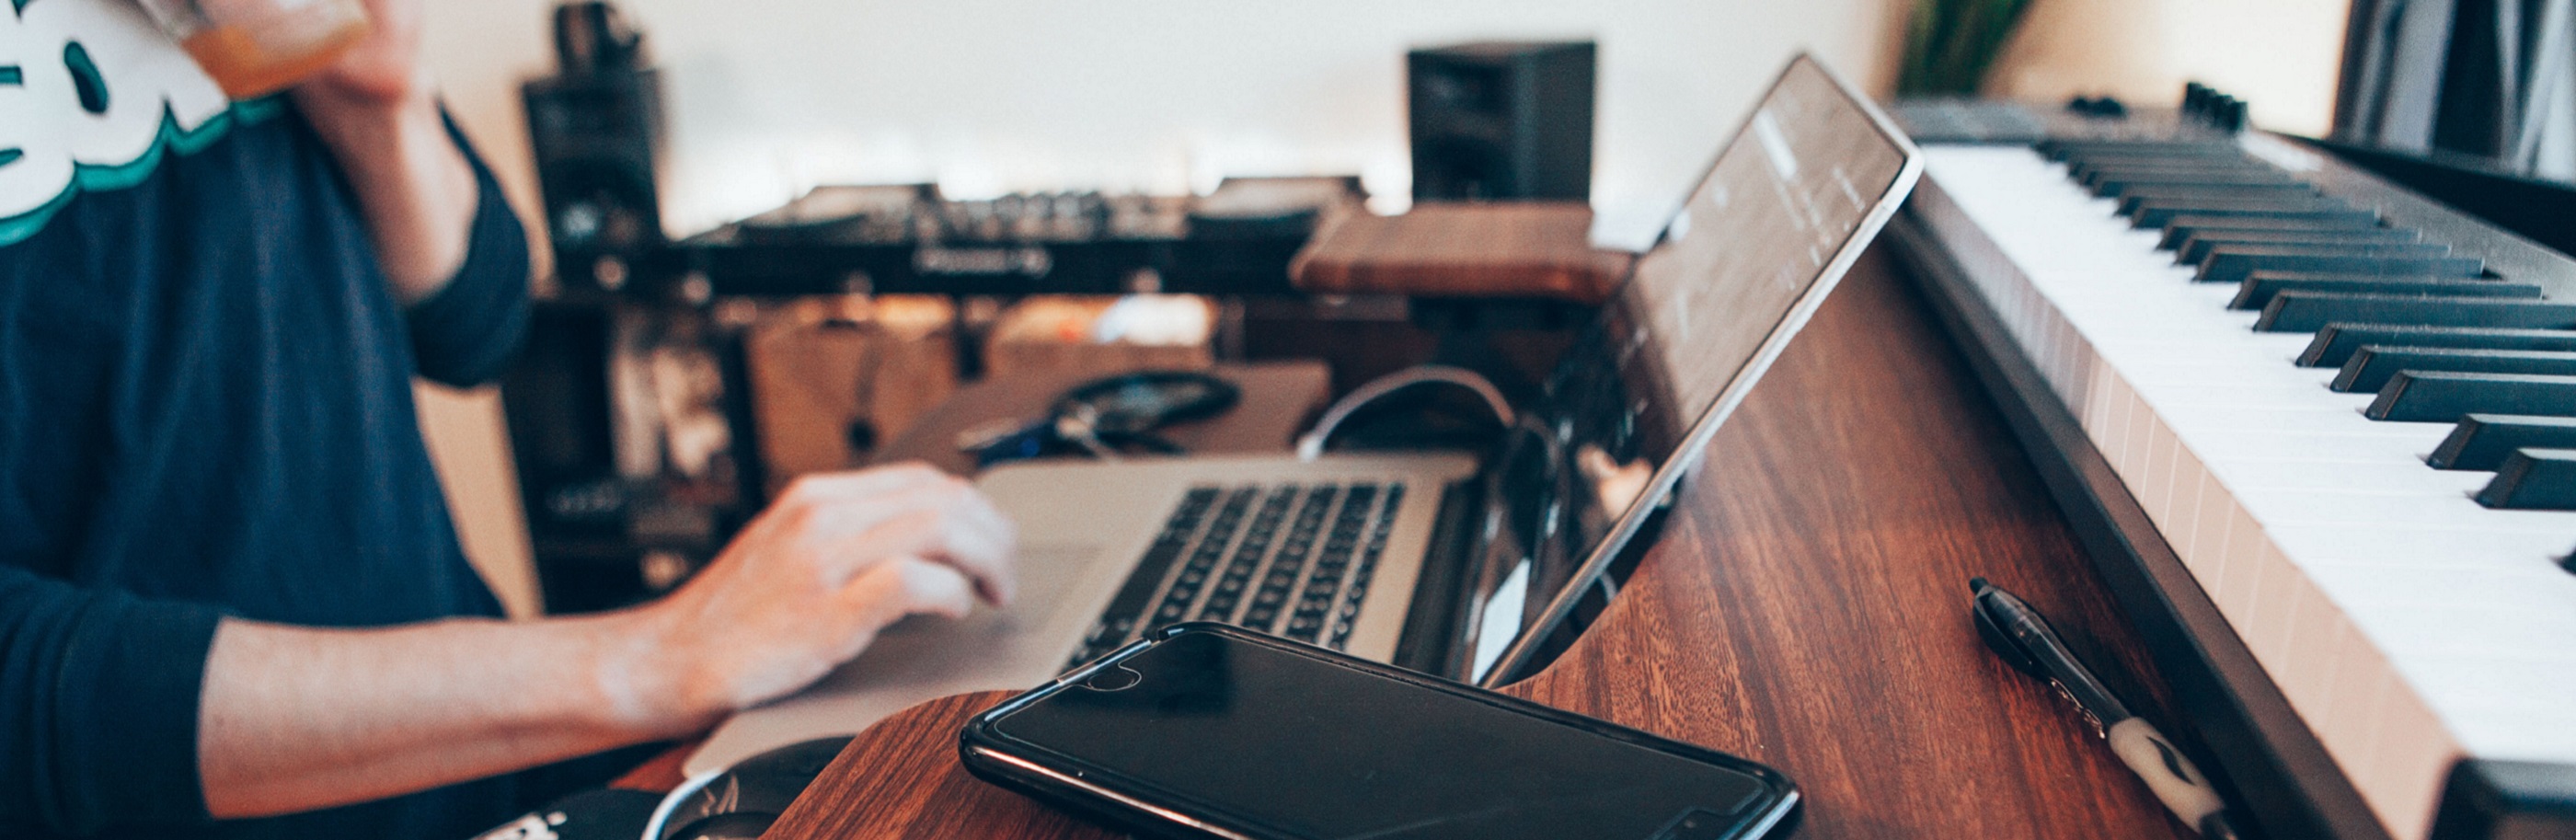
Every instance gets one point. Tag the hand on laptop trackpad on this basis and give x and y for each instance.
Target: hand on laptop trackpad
(1047, 574)
(929, 651)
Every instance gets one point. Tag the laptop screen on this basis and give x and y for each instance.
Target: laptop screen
(1803, 186)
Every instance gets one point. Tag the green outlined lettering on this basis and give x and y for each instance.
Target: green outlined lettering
(157, 80)
(86, 80)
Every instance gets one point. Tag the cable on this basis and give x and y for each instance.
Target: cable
(1311, 446)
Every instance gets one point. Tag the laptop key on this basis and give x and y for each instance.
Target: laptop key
(1248, 554)
(1363, 568)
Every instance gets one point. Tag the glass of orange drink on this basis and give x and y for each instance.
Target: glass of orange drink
(256, 47)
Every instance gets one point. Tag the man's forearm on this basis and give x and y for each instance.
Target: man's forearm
(294, 718)
(418, 193)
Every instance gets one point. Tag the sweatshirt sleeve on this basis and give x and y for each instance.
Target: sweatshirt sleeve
(98, 706)
(466, 334)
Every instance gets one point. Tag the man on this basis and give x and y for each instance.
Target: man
(209, 314)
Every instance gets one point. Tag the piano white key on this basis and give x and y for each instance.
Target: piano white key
(2396, 512)
(2344, 476)
(2325, 545)
(2292, 443)
(2214, 525)
(2317, 633)
(2248, 551)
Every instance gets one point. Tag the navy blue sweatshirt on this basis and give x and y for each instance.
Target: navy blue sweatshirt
(205, 410)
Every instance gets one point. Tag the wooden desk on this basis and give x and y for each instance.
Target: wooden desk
(1807, 607)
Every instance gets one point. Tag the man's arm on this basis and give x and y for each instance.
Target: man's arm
(378, 111)
(295, 719)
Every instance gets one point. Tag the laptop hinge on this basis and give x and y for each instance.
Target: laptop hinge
(1435, 622)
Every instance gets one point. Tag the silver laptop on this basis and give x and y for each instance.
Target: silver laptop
(1433, 560)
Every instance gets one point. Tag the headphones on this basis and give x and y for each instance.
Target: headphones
(1103, 415)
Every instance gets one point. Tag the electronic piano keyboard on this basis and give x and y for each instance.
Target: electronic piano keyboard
(2350, 415)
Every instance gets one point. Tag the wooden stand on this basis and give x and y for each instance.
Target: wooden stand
(1527, 249)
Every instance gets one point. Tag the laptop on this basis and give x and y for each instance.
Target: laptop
(1432, 560)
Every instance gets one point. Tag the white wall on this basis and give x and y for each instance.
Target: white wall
(989, 96)
(2280, 56)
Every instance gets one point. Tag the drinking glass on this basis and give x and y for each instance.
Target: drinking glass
(256, 47)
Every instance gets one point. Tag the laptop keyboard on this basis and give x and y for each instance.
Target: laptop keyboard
(1293, 560)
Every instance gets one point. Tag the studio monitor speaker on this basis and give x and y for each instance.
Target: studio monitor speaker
(596, 139)
(596, 131)
(1501, 120)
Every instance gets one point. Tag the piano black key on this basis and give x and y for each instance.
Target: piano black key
(2170, 155)
(2319, 214)
(2180, 228)
(2129, 195)
(2371, 368)
(2147, 154)
(2310, 311)
(2533, 479)
(2107, 149)
(2260, 288)
(2438, 397)
(2113, 178)
(2196, 247)
(2481, 441)
(2152, 211)
(2088, 170)
(2111, 181)
(2231, 264)
(2335, 343)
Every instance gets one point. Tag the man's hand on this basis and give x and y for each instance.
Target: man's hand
(296, 718)
(384, 69)
(808, 584)
(377, 109)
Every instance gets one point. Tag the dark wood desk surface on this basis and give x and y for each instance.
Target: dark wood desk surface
(1806, 607)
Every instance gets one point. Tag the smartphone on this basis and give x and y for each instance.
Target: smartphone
(1202, 730)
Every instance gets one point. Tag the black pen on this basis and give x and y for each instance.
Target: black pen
(2023, 638)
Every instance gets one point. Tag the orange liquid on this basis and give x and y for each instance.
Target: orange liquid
(248, 65)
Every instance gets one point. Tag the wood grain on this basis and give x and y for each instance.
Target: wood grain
(1807, 607)
(1481, 249)
(901, 779)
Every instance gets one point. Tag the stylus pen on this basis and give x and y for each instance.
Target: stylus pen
(2023, 638)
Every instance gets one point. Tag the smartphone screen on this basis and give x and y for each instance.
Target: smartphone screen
(1301, 745)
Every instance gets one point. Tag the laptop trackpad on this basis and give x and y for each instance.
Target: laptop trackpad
(926, 657)
(1048, 576)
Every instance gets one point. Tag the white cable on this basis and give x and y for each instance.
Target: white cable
(1311, 446)
(654, 827)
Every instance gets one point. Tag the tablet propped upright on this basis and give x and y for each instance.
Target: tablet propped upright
(1806, 182)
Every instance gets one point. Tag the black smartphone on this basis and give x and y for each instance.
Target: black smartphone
(1208, 731)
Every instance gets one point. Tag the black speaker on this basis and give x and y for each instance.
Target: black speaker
(1501, 120)
(596, 131)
